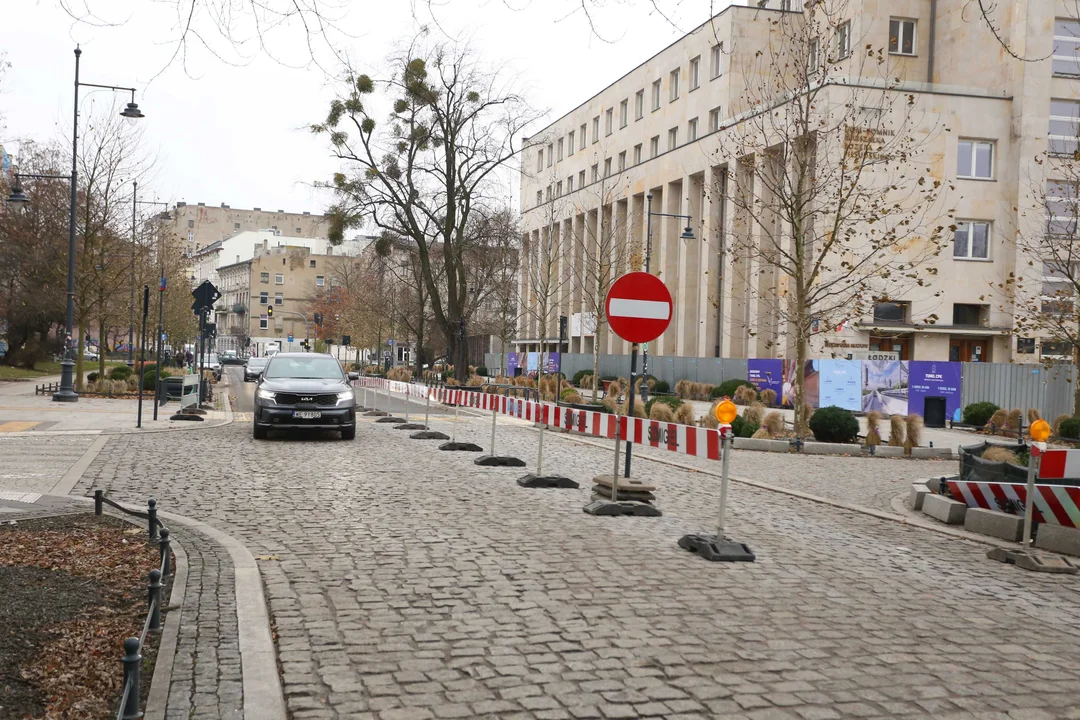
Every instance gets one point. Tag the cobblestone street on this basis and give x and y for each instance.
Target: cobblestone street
(405, 582)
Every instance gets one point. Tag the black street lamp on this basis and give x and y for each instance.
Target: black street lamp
(687, 234)
(132, 113)
(161, 294)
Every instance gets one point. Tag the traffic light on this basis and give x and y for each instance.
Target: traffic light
(562, 328)
(318, 319)
(269, 311)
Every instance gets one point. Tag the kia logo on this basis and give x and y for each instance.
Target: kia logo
(306, 399)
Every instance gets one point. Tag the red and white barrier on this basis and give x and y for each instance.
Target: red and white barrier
(1059, 465)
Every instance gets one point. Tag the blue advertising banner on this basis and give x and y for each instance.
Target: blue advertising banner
(554, 360)
(934, 379)
(766, 374)
(841, 383)
(532, 362)
(511, 363)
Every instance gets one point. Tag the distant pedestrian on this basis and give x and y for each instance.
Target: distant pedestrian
(189, 359)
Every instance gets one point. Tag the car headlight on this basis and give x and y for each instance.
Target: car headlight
(345, 396)
(265, 394)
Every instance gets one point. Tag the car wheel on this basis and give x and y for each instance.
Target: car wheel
(258, 432)
(348, 433)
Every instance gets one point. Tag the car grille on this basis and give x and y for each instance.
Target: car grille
(295, 399)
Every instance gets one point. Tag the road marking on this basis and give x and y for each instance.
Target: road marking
(17, 426)
(645, 309)
(28, 498)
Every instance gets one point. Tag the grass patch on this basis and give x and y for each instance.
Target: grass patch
(44, 369)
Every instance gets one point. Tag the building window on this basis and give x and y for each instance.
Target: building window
(1060, 348)
(264, 298)
(714, 119)
(607, 167)
(581, 179)
(550, 155)
(191, 223)
(540, 160)
(596, 129)
(975, 160)
(263, 322)
(843, 40)
(274, 228)
(971, 241)
(609, 121)
(558, 158)
(901, 37)
(298, 231)
(637, 154)
(715, 55)
(279, 279)
(892, 312)
(965, 314)
(236, 226)
(279, 299)
(570, 184)
(813, 61)
(624, 113)
(1058, 288)
(311, 263)
(1064, 126)
(691, 130)
(622, 161)
(558, 189)
(264, 277)
(1063, 209)
(654, 146)
(673, 85)
(656, 95)
(1067, 47)
(581, 133)
(639, 104)
(673, 138)
(595, 172)
(539, 197)
(320, 281)
(695, 73)
(570, 143)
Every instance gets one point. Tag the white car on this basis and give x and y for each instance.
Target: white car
(90, 355)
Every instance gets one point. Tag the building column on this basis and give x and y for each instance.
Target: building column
(691, 270)
(741, 268)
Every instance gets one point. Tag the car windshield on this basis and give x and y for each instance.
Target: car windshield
(257, 361)
(304, 368)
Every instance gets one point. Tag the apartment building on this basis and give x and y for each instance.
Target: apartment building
(199, 225)
(987, 128)
(245, 245)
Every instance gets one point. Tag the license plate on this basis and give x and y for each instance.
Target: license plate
(307, 414)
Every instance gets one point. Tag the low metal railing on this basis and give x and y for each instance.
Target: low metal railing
(47, 389)
(132, 660)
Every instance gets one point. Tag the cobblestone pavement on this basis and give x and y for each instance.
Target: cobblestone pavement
(413, 584)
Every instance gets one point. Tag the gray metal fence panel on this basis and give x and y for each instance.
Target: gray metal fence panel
(1023, 386)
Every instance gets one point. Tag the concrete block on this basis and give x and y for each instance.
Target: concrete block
(943, 509)
(994, 523)
(888, 451)
(918, 492)
(762, 444)
(932, 452)
(823, 448)
(1059, 539)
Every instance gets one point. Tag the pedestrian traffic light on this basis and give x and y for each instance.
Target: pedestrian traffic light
(269, 311)
(346, 339)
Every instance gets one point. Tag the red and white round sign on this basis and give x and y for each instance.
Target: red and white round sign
(638, 307)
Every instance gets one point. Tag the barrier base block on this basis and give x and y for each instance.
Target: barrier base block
(362, 408)
(1036, 562)
(409, 426)
(547, 481)
(623, 507)
(195, 418)
(390, 419)
(499, 461)
(429, 435)
(717, 549)
(376, 413)
(461, 447)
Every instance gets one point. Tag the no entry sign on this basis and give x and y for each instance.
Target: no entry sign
(638, 307)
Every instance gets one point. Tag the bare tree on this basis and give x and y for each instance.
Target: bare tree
(431, 169)
(832, 192)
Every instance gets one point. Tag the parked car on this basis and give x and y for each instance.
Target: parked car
(305, 390)
(254, 367)
(212, 364)
(230, 357)
(90, 355)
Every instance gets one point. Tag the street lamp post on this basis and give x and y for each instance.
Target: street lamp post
(131, 112)
(688, 234)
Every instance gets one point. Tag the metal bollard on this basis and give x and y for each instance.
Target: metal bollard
(99, 504)
(154, 599)
(132, 660)
(151, 518)
(615, 475)
(163, 556)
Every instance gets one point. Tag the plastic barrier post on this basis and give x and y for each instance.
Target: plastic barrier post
(718, 548)
(538, 479)
(454, 445)
(494, 460)
(426, 433)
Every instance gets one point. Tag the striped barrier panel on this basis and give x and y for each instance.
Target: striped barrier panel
(1059, 465)
(1054, 504)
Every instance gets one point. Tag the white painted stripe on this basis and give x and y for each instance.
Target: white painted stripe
(1072, 464)
(643, 309)
(969, 499)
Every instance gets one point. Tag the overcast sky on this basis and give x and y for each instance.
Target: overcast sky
(232, 133)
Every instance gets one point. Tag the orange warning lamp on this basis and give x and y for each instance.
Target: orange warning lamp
(1040, 430)
(726, 412)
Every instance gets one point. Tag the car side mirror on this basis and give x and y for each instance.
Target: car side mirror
(354, 376)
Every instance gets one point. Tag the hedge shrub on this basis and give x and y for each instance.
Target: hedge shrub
(91, 377)
(576, 382)
(979, 413)
(834, 425)
(727, 388)
(661, 386)
(120, 372)
(482, 370)
(743, 429)
(1070, 428)
(669, 400)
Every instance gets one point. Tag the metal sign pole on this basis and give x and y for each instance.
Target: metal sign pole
(494, 417)
(629, 410)
(1029, 502)
(427, 407)
(615, 475)
(726, 450)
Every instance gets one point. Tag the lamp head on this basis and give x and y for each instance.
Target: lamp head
(17, 195)
(132, 113)
(688, 233)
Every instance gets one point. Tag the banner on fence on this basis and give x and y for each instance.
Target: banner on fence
(766, 374)
(811, 385)
(841, 384)
(511, 364)
(885, 386)
(933, 379)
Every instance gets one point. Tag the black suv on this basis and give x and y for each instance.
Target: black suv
(305, 390)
